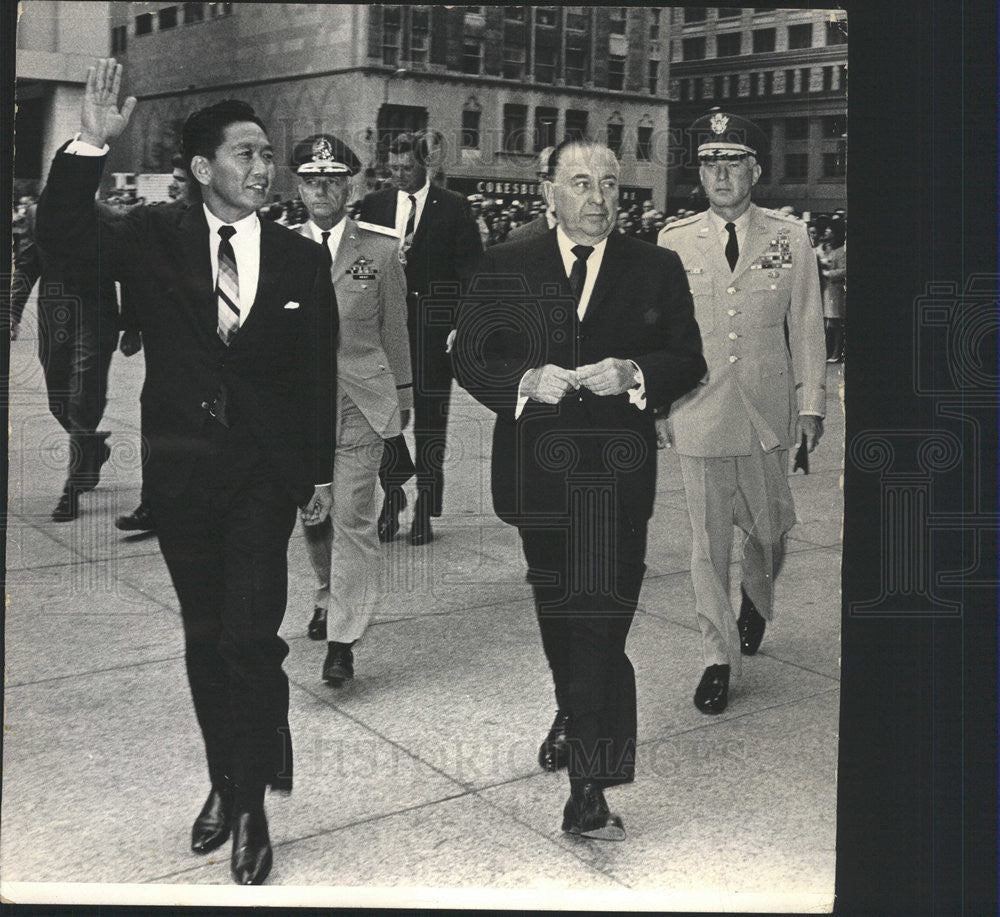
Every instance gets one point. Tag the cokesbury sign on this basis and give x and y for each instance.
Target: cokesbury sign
(508, 190)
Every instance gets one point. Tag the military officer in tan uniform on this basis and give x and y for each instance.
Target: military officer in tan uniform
(750, 271)
(374, 396)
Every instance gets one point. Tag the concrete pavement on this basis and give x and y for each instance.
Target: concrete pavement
(417, 783)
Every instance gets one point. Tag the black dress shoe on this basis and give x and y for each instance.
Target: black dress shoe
(554, 751)
(317, 626)
(712, 693)
(388, 518)
(252, 857)
(586, 814)
(139, 521)
(751, 624)
(212, 826)
(68, 507)
(338, 666)
(420, 529)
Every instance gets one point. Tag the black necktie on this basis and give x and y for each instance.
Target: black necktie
(326, 246)
(578, 273)
(732, 247)
(411, 223)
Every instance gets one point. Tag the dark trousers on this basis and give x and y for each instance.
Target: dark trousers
(225, 543)
(586, 578)
(431, 401)
(75, 347)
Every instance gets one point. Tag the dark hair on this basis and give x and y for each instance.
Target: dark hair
(177, 161)
(422, 144)
(557, 153)
(204, 129)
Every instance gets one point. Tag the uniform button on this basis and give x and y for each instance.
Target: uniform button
(731, 312)
(774, 286)
(580, 338)
(731, 290)
(733, 335)
(733, 359)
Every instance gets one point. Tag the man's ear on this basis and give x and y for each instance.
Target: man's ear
(548, 192)
(201, 169)
(757, 170)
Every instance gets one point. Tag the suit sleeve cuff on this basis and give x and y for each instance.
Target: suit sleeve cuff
(811, 414)
(522, 399)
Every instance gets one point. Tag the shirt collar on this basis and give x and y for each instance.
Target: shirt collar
(741, 222)
(335, 233)
(420, 195)
(566, 245)
(248, 226)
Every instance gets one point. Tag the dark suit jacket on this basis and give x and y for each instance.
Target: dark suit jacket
(280, 370)
(519, 314)
(445, 247)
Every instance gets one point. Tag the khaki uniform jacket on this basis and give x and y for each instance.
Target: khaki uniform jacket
(757, 384)
(373, 350)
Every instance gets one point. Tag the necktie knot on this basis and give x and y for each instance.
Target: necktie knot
(227, 232)
(582, 252)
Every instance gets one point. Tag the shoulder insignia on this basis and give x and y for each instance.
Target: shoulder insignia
(375, 227)
(778, 215)
(677, 224)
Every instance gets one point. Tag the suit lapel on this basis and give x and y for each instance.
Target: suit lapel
(607, 278)
(757, 239)
(196, 267)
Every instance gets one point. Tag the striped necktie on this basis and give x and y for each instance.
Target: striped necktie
(227, 287)
(411, 222)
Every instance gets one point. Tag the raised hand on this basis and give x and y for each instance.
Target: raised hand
(100, 118)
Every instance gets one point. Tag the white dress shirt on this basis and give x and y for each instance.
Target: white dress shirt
(333, 242)
(742, 222)
(403, 209)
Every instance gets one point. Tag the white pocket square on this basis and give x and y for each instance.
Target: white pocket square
(291, 305)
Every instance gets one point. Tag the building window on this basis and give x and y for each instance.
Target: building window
(143, 23)
(644, 144)
(731, 12)
(734, 86)
(119, 39)
(843, 78)
(789, 82)
(545, 127)
(168, 17)
(513, 13)
(683, 88)
(576, 124)
(697, 89)
(616, 72)
(728, 44)
(194, 12)
(654, 25)
(546, 16)
(576, 19)
(420, 19)
(221, 9)
(796, 128)
(827, 79)
(513, 61)
(763, 40)
(617, 24)
(836, 32)
(693, 48)
(767, 83)
(835, 164)
(418, 50)
(719, 87)
(804, 78)
(615, 138)
(390, 46)
(576, 66)
(470, 129)
(515, 126)
(545, 64)
(472, 55)
(800, 36)
(694, 14)
(654, 73)
(796, 166)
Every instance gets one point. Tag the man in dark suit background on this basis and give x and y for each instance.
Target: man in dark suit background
(439, 244)
(573, 338)
(77, 332)
(238, 321)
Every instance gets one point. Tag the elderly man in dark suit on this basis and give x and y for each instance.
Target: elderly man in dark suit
(238, 320)
(439, 244)
(573, 338)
